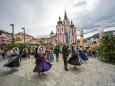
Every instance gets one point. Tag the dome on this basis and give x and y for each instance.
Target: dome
(51, 33)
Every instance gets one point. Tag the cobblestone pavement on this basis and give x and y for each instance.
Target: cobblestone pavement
(0, 57)
(91, 73)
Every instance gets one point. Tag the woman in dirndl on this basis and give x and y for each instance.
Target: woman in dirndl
(51, 57)
(82, 54)
(13, 62)
(74, 60)
(41, 64)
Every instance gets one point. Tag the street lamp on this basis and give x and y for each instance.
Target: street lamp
(12, 32)
(24, 33)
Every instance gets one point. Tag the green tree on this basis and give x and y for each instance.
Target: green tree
(11, 45)
(107, 48)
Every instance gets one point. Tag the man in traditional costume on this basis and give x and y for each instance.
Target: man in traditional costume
(24, 53)
(36, 52)
(3, 54)
(57, 51)
(65, 55)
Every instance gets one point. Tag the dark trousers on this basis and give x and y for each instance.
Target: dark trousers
(20, 57)
(3, 55)
(28, 55)
(57, 57)
(65, 62)
(93, 53)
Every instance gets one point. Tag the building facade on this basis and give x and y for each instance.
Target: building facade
(20, 37)
(65, 32)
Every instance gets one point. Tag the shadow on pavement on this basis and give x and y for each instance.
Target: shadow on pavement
(6, 73)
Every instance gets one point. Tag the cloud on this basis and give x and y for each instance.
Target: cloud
(102, 15)
(39, 17)
(80, 3)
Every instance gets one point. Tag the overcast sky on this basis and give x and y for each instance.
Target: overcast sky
(39, 17)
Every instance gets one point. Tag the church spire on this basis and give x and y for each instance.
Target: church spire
(65, 15)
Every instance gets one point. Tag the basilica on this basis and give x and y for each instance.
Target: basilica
(65, 32)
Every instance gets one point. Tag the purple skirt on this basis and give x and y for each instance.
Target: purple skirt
(42, 65)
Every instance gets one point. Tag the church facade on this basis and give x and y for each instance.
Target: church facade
(65, 32)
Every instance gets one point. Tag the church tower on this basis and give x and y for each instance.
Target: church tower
(73, 34)
(66, 22)
(67, 27)
(65, 32)
(60, 32)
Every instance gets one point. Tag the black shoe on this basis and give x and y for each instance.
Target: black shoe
(66, 70)
(16, 69)
(43, 74)
(13, 69)
(75, 67)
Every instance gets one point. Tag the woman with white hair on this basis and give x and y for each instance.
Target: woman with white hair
(41, 64)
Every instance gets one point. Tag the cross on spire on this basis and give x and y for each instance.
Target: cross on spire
(59, 18)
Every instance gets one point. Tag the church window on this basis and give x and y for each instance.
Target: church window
(63, 38)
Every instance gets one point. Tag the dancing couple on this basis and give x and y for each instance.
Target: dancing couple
(76, 56)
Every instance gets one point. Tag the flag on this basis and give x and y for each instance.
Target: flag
(101, 33)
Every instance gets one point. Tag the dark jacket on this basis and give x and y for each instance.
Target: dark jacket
(57, 50)
(65, 51)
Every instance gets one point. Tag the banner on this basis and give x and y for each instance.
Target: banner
(67, 38)
(81, 41)
(81, 33)
(81, 38)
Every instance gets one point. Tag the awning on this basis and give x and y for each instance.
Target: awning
(32, 41)
(3, 43)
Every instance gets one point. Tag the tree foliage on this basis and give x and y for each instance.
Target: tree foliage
(11, 45)
(2, 31)
(107, 48)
